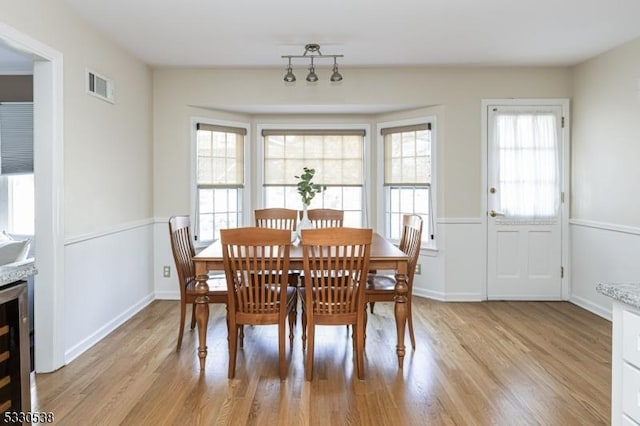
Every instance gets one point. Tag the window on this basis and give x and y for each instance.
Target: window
(527, 155)
(407, 177)
(16, 167)
(219, 179)
(337, 157)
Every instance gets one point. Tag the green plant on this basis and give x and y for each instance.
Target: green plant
(306, 188)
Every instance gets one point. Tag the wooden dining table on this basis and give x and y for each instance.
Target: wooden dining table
(384, 256)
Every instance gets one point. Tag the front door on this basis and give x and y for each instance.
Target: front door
(524, 197)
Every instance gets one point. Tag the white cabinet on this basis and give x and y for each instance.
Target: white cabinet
(625, 400)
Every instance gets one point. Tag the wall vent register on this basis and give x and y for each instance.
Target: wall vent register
(100, 86)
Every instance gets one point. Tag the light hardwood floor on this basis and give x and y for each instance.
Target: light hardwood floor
(503, 363)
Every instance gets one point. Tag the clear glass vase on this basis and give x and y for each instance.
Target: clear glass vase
(304, 222)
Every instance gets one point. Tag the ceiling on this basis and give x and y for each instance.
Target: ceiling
(255, 33)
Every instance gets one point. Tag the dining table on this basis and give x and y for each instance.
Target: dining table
(384, 255)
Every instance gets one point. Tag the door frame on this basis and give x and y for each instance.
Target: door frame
(564, 185)
(48, 147)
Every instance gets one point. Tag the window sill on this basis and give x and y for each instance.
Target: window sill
(431, 251)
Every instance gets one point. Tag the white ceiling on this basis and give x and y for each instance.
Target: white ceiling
(255, 33)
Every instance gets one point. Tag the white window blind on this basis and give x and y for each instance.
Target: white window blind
(16, 138)
(336, 155)
(407, 154)
(528, 173)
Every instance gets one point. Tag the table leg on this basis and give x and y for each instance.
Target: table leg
(202, 316)
(401, 311)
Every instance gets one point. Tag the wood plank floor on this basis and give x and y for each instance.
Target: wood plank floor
(505, 363)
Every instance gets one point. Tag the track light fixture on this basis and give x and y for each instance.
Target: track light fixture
(312, 50)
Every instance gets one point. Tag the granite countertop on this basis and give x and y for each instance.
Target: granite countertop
(623, 292)
(17, 271)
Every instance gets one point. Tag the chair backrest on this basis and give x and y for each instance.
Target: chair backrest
(183, 251)
(256, 263)
(410, 241)
(325, 218)
(336, 262)
(276, 218)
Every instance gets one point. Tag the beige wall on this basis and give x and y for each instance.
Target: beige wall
(108, 148)
(606, 137)
(180, 93)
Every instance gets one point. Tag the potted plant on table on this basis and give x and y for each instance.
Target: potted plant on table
(307, 190)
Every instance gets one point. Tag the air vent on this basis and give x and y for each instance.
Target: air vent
(100, 86)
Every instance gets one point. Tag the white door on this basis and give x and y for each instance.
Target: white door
(524, 202)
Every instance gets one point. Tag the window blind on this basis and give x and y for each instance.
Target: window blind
(407, 155)
(16, 138)
(220, 156)
(335, 154)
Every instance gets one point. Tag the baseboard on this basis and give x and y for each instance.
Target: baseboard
(100, 334)
(167, 295)
(447, 297)
(591, 307)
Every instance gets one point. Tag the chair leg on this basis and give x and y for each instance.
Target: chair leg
(183, 314)
(309, 364)
(233, 347)
(241, 327)
(359, 348)
(304, 327)
(371, 305)
(292, 316)
(410, 322)
(193, 316)
(282, 330)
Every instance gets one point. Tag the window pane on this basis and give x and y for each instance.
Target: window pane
(352, 199)
(352, 219)
(205, 200)
(421, 201)
(221, 201)
(21, 204)
(206, 227)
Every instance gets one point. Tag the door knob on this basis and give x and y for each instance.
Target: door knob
(494, 213)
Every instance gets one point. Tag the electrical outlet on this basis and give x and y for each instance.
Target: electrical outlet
(418, 269)
(166, 271)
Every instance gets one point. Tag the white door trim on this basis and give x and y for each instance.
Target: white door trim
(564, 187)
(49, 189)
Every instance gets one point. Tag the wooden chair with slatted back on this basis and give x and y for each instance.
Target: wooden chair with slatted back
(336, 261)
(381, 288)
(325, 218)
(183, 252)
(256, 263)
(276, 218)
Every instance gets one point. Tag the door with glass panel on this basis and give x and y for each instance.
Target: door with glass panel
(524, 196)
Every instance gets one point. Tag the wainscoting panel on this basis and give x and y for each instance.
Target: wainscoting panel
(601, 252)
(455, 272)
(108, 279)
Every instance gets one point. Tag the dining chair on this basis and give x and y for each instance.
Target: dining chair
(335, 262)
(381, 288)
(183, 252)
(325, 218)
(277, 218)
(256, 264)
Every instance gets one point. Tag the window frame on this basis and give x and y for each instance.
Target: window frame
(246, 188)
(429, 237)
(366, 152)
